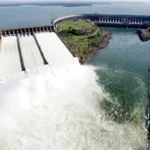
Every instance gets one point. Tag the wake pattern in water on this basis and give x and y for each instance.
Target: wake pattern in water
(59, 108)
(54, 49)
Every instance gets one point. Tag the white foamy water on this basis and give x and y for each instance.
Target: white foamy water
(53, 48)
(9, 56)
(31, 55)
(58, 108)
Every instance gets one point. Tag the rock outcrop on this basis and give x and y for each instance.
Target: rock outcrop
(144, 34)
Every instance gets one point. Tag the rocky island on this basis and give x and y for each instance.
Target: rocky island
(83, 38)
(144, 34)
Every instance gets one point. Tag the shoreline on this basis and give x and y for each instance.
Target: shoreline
(103, 44)
(83, 38)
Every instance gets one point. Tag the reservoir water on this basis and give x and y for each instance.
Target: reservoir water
(100, 106)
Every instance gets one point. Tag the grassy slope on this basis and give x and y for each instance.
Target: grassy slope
(81, 37)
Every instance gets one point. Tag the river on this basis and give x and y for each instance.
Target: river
(102, 105)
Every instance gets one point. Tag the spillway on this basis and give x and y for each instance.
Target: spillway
(31, 55)
(26, 51)
(9, 56)
(54, 49)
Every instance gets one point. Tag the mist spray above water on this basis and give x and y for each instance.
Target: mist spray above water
(58, 108)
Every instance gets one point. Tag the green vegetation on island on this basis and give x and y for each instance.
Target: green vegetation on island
(83, 38)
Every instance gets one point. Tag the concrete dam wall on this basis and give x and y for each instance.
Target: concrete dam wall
(110, 20)
(26, 30)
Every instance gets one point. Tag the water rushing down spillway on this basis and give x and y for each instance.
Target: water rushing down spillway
(9, 56)
(54, 49)
(30, 55)
(30, 52)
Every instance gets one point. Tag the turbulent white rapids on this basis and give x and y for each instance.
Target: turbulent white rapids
(57, 107)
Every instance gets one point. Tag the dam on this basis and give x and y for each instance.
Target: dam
(110, 20)
(23, 49)
(26, 48)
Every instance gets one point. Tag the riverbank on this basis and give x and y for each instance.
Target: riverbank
(104, 42)
(83, 38)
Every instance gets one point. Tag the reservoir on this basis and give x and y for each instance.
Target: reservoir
(99, 106)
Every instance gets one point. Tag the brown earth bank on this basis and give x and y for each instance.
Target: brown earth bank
(103, 44)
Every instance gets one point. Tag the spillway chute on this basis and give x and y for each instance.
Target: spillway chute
(27, 50)
(54, 49)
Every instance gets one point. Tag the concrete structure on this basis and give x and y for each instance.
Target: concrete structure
(27, 44)
(110, 20)
(26, 30)
(102, 20)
